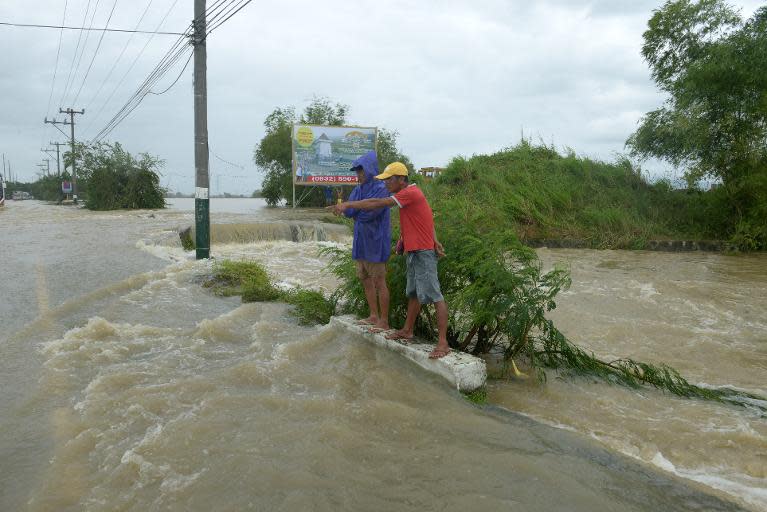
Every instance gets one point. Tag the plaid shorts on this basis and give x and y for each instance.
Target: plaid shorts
(422, 280)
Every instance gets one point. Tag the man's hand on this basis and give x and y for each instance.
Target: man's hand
(337, 209)
(439, 249)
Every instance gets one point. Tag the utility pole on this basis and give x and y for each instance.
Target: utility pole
(202, 179)
(71, 124)
(48, 151)
(58, 156)
(46, 166)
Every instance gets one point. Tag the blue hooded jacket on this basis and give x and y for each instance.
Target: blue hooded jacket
(372, 228)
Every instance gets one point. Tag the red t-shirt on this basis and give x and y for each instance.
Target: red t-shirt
(415, 218)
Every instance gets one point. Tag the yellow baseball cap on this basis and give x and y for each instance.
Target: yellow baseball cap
(393, 169)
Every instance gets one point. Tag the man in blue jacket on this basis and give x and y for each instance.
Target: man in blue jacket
(372, 240)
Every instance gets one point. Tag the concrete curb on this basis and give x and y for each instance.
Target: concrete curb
(464, 371)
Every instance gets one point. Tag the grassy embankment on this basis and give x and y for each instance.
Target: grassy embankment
(540, 194)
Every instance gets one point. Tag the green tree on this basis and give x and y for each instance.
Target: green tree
(48, 188)
(115, 179)
(273, 153)
(710, 62)
(272, 156)
(387, 150)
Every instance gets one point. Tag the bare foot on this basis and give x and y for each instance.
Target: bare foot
(439, 352)
(371, 320)
(400, 335)
(382, 325)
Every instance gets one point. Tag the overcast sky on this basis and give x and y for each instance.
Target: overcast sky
(453, 77)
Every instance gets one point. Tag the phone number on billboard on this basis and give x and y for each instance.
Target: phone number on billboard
(333, 179)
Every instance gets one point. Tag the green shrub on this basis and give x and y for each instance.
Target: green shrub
(250, 280)
(246, 278)
(311, 307)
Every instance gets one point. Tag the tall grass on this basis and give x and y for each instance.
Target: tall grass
(541, 194)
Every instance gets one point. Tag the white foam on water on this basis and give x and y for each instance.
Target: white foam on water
(663, 463)
(166, 252)
(752, 490)
(646, 290)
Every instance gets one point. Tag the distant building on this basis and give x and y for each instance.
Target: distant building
(430, 173)
(324, 147)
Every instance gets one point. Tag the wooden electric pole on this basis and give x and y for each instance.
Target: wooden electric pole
(202, 179)
(71, 124)
(49, 152)
(72, 113)
(58, 155)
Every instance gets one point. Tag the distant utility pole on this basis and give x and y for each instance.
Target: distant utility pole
(202, 179)
(48, 151)
(47, 167)
(58, 156)
(71, 124)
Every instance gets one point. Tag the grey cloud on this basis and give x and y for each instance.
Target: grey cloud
(454, 77)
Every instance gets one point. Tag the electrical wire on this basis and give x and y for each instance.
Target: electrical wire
(176, 80)
(62, 27)
(170, 58)
(135, 99)
(55, 71)
(139, 95)
(225, 161)
(212, 28)
(58, 52)
(87, 72)
(133, 64)
(85, 45)
(74, 56)
(122, 52)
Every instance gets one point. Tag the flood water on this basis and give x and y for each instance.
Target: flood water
(127, 386)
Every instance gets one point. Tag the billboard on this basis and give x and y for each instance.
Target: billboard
(323, 155)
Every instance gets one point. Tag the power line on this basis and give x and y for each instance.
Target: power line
(138, 96)
(135, 99)
(176, 80)
(165, 63)
(58, 52)
(210, 13)
(74, 56)
(87, 72)
(55, 69)
(168, 60)
(135, 60)
(90, 28)
(210, 30)
(119, 57)
(225, 161)
(85, 45)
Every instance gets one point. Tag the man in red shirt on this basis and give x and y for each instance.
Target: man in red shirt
(420, 246)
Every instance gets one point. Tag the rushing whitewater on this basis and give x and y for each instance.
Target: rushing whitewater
(126, 385)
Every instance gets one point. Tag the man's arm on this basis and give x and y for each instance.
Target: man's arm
(364, 204)
(438, 246)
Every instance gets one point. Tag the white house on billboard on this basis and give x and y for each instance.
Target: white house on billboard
(323, 147)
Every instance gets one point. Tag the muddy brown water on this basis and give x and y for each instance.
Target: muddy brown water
(126, 386)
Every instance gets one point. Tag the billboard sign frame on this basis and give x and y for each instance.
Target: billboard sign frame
(321, 155)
